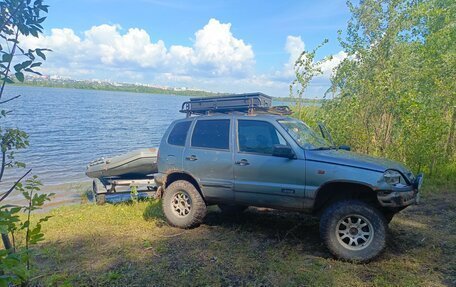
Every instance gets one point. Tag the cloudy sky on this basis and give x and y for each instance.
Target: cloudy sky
(226, 46)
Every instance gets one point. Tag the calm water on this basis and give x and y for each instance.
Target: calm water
(68, 128)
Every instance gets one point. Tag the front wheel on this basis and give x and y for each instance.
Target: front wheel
(353, 230)
(183, 205)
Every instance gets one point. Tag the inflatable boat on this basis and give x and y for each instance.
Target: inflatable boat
(132, 165)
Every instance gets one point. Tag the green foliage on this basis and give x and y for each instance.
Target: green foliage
(305, 69)
(11, 140)
(15, 262)
(134, 193)
(394, 93)
(18, 18)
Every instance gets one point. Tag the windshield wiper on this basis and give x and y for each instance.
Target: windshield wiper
(325, 133)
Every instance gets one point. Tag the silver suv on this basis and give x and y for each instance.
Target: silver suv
(237, 158)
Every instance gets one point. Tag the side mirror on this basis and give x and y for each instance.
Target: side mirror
(285, 151)
(345, 147)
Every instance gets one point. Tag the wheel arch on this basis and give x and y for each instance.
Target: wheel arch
(337, 190)
(175, 175)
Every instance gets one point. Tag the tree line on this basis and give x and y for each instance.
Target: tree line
(394, 93)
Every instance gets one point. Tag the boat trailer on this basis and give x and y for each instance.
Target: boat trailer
(131, 173)
(104, 188)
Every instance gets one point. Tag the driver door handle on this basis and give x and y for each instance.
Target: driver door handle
(242, 162)
(191, 158)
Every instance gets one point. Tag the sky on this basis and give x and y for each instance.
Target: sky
(223, 46)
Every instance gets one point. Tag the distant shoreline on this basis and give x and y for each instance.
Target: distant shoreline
(105, 86)
(132, 88)
(89, 89)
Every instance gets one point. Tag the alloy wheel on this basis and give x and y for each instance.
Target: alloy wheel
(354, 232)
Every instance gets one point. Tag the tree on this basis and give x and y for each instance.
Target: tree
(305, 69)
(18, 18)
(395, 90)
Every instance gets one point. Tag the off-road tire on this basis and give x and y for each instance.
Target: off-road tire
(331, 220)
(232, 209)
(197, 205)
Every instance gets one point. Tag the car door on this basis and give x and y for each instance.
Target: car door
(173, 145)
(259, 177)
(209, 158)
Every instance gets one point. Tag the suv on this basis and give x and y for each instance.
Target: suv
(253, 157)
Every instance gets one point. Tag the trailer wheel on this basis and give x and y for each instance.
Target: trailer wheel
(183, 205)
(97, 197)
(94, 190)
(100, 199)
(94, 187)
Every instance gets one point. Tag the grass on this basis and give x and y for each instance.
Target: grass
(131, 245)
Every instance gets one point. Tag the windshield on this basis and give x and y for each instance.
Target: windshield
(304, 135)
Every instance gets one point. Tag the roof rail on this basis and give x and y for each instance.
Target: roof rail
(248, 103)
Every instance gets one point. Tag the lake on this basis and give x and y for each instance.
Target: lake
(68, 128)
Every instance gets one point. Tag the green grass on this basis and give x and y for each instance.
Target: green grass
(131, 245)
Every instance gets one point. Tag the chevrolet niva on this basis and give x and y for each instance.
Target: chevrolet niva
(239, 151)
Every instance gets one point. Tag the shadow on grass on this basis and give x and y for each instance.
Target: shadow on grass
(287, 229)
(266, 223)
(284, 228)
(259, 247)
(154, 212)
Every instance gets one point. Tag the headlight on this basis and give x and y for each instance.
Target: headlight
(392, 177)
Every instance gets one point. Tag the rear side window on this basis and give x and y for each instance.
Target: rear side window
(211, 134)
(179, 133)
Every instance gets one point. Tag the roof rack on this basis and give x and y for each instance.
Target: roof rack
(248, 102)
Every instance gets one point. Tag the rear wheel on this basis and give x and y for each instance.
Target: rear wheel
(183, 205)
(353, 230)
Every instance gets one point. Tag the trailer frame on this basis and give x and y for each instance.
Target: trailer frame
(105, 186)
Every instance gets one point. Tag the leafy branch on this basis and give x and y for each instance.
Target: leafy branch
(305, 69)
(18, 18)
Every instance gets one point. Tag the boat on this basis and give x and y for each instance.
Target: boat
(136, 164)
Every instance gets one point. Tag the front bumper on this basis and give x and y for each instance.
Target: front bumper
(401, 196)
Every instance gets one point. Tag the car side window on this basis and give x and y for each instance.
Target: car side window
(211, 134)
(258, 137)
(179, 133)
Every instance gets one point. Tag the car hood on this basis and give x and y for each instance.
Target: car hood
(348, 158)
